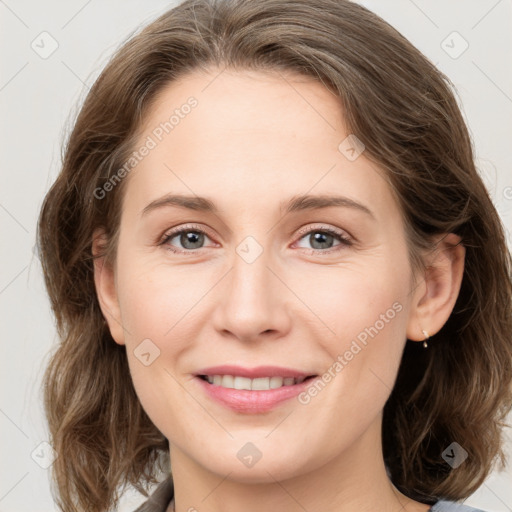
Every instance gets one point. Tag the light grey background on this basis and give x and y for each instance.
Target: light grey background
(38, 97)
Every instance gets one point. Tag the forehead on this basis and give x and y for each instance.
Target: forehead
(249, 134)
(244, 108)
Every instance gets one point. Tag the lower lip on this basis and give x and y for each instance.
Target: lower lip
(243, 400)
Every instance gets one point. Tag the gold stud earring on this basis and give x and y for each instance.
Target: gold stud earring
(427, 337)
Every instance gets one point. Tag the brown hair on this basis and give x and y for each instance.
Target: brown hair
(404, 111)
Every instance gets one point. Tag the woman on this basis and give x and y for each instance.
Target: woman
(275, 272)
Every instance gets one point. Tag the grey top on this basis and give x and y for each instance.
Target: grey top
(450, 506)
(162, 496)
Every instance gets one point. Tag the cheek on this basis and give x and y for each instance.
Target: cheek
(154, 304)
(368, 313)
(362, 312)
(160, 310)
(155, 298)
(360, 300)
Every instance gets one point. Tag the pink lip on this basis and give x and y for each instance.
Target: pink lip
(251, 402)
(253, 373)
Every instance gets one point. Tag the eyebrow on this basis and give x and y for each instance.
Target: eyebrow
(296, 203)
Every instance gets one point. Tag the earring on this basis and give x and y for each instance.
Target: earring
(427, 337)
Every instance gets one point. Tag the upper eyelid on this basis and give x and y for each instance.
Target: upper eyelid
(305, 230)
(172, 232)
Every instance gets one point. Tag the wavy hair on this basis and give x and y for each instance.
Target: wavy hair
(405, 112)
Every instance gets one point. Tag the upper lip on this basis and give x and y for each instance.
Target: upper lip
(253, 373)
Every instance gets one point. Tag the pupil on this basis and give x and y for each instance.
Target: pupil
(321, 239)
(188, 240)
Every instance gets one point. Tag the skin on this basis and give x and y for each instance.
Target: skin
(254, 140)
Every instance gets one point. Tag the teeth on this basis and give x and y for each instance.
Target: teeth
(258, 384)
(239, 382)
(275, 382)
(228, 381)
(263, 383)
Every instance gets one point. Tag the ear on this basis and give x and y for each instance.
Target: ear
(104, 280)
(437, 290)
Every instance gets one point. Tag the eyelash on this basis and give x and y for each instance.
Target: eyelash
(344, 240)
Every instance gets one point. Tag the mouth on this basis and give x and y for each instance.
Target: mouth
(256, 384)
(252, 391)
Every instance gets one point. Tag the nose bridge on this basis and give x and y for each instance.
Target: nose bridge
(251, 276)
(252, 302)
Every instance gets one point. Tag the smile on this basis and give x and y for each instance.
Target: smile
(257, 384)
(252, 390)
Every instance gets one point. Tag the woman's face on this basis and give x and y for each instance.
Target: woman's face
(294, 257)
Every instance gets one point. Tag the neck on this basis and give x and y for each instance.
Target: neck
(354, 481)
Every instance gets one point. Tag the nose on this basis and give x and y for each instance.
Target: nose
(253, 303)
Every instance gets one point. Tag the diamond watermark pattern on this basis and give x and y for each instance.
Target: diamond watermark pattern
(455, 455)
(454, 45)
(249, 454)
(351, 147)
(44, 45)
(44, 455)
(249, 249)
(147, 352)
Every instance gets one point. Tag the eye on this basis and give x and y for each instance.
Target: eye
(192, 238)
(189, 237)
(322, 239)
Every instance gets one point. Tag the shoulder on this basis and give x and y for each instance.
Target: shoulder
(451, 506)
(159, 499)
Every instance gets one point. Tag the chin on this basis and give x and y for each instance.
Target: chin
(261, 473)
(248, 464)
